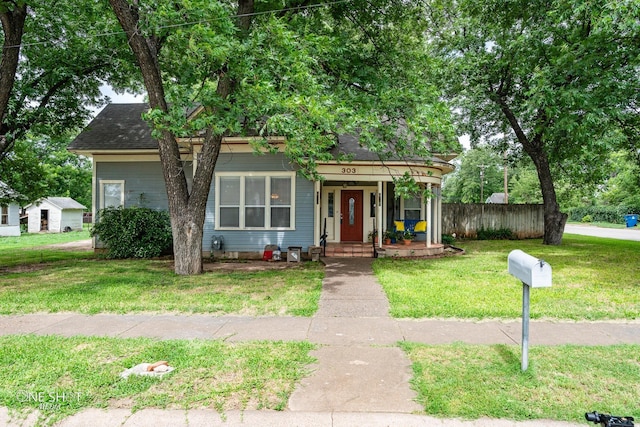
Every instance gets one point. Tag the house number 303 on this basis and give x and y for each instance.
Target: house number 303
(349, 170)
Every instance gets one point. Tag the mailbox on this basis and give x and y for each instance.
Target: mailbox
(531, 271)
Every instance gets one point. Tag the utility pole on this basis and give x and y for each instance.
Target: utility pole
(506, 187)
(482, 182)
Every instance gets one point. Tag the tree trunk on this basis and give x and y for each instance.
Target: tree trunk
(13, 28)
(187, 211)
(186, 219)
(554, 220)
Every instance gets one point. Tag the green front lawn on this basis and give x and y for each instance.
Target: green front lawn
(137, 286)
(593, 279)
(61, 376)
(561, 383)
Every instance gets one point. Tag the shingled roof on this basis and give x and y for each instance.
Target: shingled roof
(121, 127)
(116, 127)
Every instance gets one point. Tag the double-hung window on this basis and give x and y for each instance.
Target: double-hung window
(4, 215)
(255, 200)
(412, 208)
(111, 193)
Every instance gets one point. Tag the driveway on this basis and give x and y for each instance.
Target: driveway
(612, 233)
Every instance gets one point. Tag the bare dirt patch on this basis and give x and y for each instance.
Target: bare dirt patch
(78, 245)
(251, 265)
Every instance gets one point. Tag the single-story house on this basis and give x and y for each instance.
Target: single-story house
(9, 211)
(258, 200)
(55, 214)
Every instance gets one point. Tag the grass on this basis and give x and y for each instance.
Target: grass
(562, 383)
(137, 286)
(29, 248)
(69, 374)
(593, 279)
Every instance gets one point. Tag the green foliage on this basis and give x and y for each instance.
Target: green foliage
(448, 239)
(495, 234)
(463, 185)
(586, 218)
(133, 232)
(554, 80)
(612, 214)
(43, 167)
(63, 62)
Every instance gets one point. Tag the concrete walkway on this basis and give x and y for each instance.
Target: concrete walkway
(361, 377)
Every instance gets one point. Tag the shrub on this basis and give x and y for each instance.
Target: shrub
(495, 234)
(448, 239)
(587, 218)
(133, 232)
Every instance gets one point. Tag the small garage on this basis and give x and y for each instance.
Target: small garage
(55, 215)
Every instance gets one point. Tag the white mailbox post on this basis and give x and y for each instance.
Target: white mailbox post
(533, 273)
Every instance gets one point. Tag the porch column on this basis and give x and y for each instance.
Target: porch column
(317, 227)
(379, 213)
(429, 216)
(439, 215)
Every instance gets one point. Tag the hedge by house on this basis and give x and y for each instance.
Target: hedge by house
(134, 232)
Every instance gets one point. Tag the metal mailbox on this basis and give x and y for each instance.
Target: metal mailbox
(529, 270)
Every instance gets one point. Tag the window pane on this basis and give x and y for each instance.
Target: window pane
(112, 195)
(5, 215)
(254, 217)
(229, 217)
(281, 217)
(254, 191)
(331, 209)
(372, 205)
(281, 191)
(352, 211)
(411, 214)
(230, 191)
(413, 203)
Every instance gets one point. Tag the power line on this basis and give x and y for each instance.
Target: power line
(185, 24)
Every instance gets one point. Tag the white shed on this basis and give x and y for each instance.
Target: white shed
(9, 211)
(55, 214)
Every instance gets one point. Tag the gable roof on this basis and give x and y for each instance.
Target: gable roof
(61, 203)
(496, 198)
(7, 194)
(116, 127)
(120, 127)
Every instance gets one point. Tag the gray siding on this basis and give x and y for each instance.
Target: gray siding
(144, 186)
(255, 240)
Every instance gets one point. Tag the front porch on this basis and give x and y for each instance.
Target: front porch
(365, 250)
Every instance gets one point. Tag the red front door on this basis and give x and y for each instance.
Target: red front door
(351, 216)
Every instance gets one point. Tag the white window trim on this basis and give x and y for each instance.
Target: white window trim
(421, 207)
(242, 206)
(111, 181)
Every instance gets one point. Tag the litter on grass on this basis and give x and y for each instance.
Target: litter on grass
(157, 369)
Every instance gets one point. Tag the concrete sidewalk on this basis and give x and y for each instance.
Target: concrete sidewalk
(361, 377)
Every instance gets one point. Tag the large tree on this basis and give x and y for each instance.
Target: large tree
(55, 56)
(297, 68)
(556, 79)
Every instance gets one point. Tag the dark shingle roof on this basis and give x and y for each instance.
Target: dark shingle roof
(116, 127)
(121, 127)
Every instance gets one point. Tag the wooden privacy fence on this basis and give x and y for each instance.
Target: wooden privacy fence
(524, 221)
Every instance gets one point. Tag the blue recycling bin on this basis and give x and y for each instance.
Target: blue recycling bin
(631, 220)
